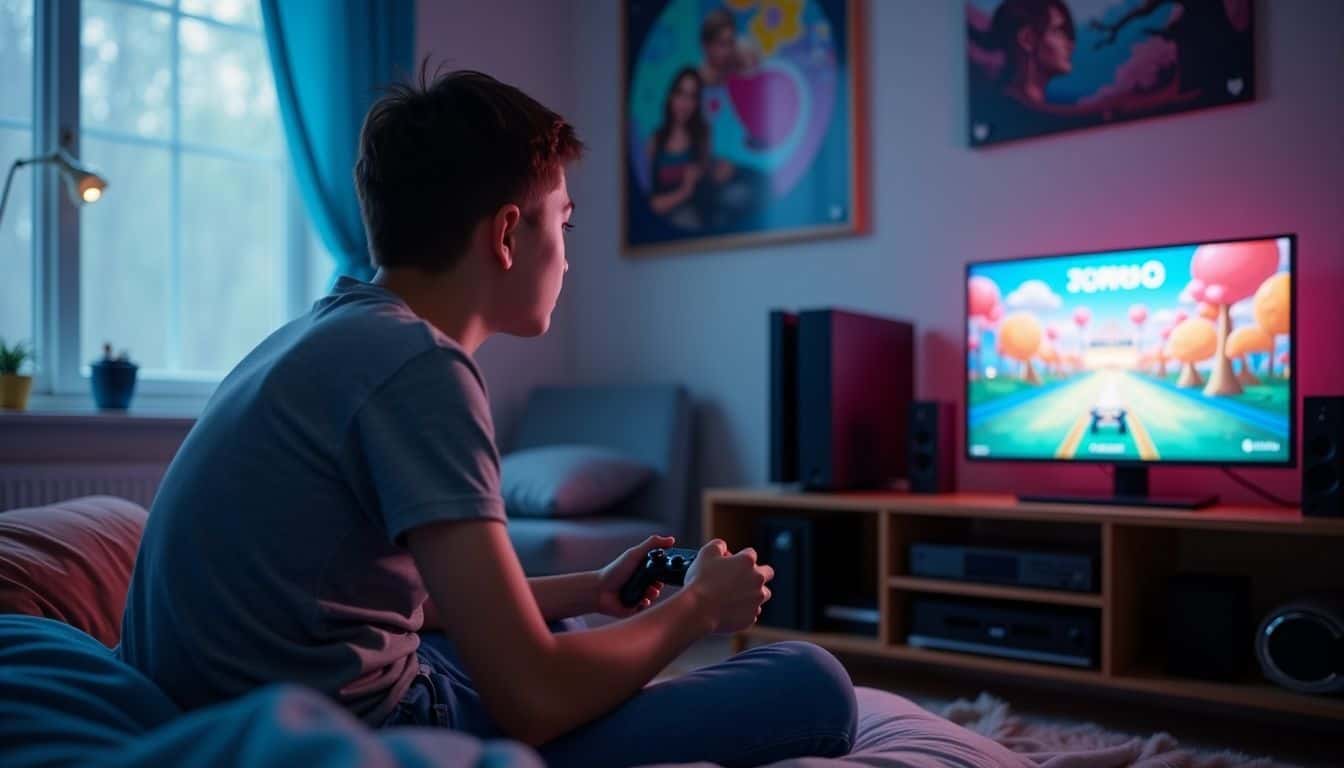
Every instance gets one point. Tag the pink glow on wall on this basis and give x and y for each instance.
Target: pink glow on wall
(1267, 167)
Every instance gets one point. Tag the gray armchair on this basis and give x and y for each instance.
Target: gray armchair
(651, 423)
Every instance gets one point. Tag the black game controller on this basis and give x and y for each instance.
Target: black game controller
(666, 565)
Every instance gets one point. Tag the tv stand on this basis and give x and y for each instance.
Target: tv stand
(1131, 490)
(1138, 551)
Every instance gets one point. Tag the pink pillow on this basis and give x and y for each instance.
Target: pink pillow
(71, 562)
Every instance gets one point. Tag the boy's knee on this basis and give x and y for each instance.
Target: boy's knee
(820, 681)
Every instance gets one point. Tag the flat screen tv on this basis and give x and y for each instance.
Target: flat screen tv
(1175, 354)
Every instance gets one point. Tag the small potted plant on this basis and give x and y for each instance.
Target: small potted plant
(113, 380)
(14, 387)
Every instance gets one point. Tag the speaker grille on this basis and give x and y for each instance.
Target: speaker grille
(1323, 456)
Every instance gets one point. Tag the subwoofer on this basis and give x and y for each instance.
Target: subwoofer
(1300, 645)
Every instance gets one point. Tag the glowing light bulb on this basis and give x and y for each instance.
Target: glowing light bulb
(92, 194)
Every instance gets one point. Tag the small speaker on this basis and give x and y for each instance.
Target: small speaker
(1209, 626)
(932, 458)
(1300, 645)
(1323, 456)
(785, 544)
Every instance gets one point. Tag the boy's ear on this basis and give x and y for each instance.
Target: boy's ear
(503, 231)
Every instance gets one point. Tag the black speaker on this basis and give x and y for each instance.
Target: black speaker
(1323, 456)
(1209, 626)
(783, 396)
(785, 544)
(932, 458)
(1300, 645)
(855, 384)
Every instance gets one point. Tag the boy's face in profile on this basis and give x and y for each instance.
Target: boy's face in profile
(539, 263)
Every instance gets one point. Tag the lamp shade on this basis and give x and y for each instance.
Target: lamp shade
(85, 185)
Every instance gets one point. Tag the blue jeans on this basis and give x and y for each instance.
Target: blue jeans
(769, 703)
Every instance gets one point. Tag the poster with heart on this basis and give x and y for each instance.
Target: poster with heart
(1043, 66)
(741, 122)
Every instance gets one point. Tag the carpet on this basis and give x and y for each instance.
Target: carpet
(1063, 744)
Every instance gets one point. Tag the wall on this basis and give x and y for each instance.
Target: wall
(527, 44)
(1272, 166)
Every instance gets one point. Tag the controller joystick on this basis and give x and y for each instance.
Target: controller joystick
(667, 566)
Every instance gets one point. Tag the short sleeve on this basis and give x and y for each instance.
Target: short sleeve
(429, 443)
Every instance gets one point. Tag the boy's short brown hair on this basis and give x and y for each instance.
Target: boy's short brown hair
(437, 157)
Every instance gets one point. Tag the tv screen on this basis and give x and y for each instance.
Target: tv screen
(1180, 353)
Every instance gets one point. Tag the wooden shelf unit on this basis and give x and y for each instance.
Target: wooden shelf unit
(1137, 550)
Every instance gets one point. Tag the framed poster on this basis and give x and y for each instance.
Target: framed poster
(1042, 66)
(742, 122)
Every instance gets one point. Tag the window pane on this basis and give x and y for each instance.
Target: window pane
(126, 69)
(124, 254)
(16, 243)
(16, 140)
(228, 94)
(233, 259)
(242, 12)
(16, 62)
(321, 268)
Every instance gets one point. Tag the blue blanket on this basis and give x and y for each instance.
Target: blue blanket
(66, 700)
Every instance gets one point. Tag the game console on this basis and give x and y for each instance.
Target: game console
(1048, 635)
(668, 566)
(1013, 567)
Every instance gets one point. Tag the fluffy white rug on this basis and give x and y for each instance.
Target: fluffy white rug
(1052, 744)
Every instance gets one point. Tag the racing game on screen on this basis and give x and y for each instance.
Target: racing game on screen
(1178, 353)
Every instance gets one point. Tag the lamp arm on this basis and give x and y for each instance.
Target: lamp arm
(9, 177)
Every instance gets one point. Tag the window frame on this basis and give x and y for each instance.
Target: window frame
(61, 377)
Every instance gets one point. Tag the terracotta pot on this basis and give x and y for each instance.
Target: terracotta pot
(14, 391)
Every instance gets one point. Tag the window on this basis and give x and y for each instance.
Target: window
(16, 140)
(199, 247)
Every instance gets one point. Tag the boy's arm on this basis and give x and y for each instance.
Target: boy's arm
(537, 685)
(566, 595)
(558, 597)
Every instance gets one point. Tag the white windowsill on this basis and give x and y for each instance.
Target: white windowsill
(79, 409)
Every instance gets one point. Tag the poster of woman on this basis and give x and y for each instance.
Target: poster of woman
(741, 122)
(1042, 66)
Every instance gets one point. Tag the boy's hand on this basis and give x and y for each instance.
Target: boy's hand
(732, 587)
(611, 578)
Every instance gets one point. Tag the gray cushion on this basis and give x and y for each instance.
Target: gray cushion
(569, 480)
(551, 546)
(650, 423)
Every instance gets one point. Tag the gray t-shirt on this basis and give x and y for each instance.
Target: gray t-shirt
(274, 550)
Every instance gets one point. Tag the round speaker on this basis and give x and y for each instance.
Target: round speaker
(1300, 645)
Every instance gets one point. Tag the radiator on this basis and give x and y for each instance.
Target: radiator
(31, 485)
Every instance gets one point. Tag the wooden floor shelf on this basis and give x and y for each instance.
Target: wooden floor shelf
(993, 591)
(1136, 550)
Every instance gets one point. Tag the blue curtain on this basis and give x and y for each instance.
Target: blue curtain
(331, 58)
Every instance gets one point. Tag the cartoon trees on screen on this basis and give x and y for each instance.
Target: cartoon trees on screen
(1271, 307)
(985, 308)
(1020, 338)
(1081, 317)
(1194, 340)
(1222, 275)
(1138, 315)
(1244, 341)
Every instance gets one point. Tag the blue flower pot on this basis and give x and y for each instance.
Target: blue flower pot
(113, 384)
